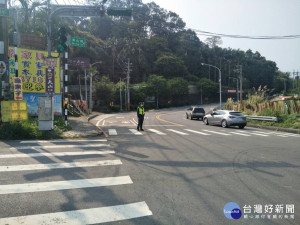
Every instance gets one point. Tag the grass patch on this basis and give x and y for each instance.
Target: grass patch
(19, 130)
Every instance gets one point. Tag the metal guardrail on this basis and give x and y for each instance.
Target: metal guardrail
(264, 118)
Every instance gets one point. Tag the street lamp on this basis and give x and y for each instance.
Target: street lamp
(220, 76)
(91, 85)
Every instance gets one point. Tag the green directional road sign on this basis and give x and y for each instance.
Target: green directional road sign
(74, 41)
(4, 12)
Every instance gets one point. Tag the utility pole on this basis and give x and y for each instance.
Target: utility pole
(4, 13)
(121, 95)
(128, 89)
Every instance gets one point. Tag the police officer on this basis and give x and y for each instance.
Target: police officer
(140, 115)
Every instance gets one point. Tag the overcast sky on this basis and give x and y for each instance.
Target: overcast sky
(246, 17)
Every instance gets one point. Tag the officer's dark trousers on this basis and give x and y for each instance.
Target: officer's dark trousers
(140, 124)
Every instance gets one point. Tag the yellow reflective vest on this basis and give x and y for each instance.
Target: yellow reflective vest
(140, 110)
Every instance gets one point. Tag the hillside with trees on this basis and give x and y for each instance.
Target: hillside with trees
(165, 57)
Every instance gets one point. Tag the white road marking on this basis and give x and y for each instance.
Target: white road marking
(63, 185)
(241, 134)
(59, 165)
(214, 132)
(103, 123)
(84, 216)
(33, 155)
(280, 134)
(105, 117)
(136, 123)
(135, 132)
(157, 132)
(59, 146)
(112, 132)
(63, 141)
(177, 132)
(263, 135)
(197, 132)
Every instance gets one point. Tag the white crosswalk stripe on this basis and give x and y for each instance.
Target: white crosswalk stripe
(59, 165)
(84, 216)
(63, 141)
(197, 132)
(55, 154)
(112, 132)
(215, 132)
(63, 185)
(252, 133)
(177, 132)
(157, 132)
(135, 132)
(247, 135)
(58, 146)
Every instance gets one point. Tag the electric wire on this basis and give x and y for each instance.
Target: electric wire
(206, 33)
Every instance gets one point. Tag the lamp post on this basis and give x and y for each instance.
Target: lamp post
(220, 76)
(91, 85)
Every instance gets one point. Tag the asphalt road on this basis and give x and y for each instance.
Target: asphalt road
(177, 171)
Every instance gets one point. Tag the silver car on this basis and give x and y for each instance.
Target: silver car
(226, 118)
(195, 112)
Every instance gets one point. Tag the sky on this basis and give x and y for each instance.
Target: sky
(249, 18)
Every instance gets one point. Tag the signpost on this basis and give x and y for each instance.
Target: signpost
(79, 42)
(4, 12)
(83, 63)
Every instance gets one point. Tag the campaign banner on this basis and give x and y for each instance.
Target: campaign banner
(14, 111)
(32, 103)
(50, 81)
(32, 71)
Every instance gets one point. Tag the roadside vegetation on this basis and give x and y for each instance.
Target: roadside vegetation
(260, 104)
(19, 130)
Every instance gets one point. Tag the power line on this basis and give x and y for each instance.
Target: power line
(206, 33)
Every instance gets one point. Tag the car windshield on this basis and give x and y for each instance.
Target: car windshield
(236, 113)
(198, 110)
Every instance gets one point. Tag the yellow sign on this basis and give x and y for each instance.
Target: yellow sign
(14, 110)
(31, 70)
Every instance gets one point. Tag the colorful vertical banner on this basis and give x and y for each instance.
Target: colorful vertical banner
(50, 81)
(18, 92)
(32, 70)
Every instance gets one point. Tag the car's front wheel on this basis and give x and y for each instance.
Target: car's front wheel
(224, 123)
(241, 126)
(205, 121)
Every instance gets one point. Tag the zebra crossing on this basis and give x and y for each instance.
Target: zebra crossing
(202, 132)
(10, 165)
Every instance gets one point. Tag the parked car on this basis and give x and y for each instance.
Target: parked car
(226, 118)
(195, 112)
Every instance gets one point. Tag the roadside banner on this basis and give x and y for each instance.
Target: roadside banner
(14, 111)
(18, 92)
(32, 70)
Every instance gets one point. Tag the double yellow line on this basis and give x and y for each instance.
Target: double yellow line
(158, 117)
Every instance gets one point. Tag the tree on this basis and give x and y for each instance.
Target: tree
(157, 86)
(178, 87)
(170, 66)
(214, 41)
(209, 88)
(105, 90)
